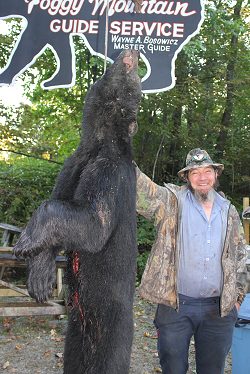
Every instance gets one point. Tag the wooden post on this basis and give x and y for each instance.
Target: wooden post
(59, 282)
(246, 222)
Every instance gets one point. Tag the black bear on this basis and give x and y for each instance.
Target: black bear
(92, 217)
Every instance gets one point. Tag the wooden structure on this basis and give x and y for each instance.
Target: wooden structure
(10, 290)
(9, 232)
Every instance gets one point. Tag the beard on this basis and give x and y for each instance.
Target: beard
(206, 196)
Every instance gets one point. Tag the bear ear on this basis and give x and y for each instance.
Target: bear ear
(132, 129)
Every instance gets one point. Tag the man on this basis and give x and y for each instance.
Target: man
(196, 271)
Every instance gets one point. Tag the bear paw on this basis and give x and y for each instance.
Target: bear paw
(41, 278)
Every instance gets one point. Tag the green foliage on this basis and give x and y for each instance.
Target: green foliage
(145, 233)
(145, 239)
(191, 114)
(24, 184)
(170, 123)
(8, 40)
(208, 108)
(141, 263)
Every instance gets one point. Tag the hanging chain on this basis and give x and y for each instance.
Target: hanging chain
(106, 35)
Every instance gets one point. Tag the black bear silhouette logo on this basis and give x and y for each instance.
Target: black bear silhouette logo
(158, 32)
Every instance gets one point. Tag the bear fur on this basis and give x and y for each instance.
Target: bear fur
(92, 217)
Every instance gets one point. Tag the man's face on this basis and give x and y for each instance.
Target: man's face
(202, 180)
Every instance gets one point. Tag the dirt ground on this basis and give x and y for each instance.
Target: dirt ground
(34, 345)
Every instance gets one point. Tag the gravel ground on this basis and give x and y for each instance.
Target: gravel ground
(34, 345)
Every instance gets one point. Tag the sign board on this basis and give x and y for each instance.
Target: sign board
(159, 32)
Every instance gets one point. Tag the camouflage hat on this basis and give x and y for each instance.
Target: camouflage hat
(198, 158)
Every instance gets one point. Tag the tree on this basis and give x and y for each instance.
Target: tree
(208, 107)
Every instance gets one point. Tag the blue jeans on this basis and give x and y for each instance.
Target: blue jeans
(199, 318)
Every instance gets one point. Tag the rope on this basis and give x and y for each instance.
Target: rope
(106, 35)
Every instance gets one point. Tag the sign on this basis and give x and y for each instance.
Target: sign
(159, 32)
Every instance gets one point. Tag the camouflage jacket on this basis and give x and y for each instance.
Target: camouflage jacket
(159, 281)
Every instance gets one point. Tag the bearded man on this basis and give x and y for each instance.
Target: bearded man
(196, 272)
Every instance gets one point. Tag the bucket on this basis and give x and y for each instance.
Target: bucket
(241, 340)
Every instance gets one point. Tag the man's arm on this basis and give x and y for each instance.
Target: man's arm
(153, 200)
(241, 278)
(150, 196)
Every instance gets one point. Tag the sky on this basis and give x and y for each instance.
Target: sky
(12, 95)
